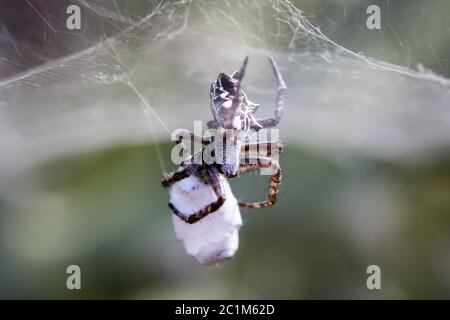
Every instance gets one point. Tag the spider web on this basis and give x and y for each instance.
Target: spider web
(150, 73)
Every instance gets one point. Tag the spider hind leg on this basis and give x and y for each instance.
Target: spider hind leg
(255, 163)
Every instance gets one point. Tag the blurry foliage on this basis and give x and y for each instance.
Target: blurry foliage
(333, 219)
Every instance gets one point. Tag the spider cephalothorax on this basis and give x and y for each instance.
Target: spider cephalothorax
(233, 116)
(229, 104)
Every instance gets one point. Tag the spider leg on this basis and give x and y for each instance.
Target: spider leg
(211, 177)
(236, 102)
(185, 134)
(180, 137)
(279, 105)
(266, 148)
(254, 163)
(176, 176)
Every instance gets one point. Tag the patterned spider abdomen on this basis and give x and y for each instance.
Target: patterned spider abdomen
(215, 237)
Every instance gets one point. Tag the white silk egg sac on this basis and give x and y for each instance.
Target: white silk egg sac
(215, 237)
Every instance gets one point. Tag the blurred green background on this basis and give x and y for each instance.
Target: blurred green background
(339, 210)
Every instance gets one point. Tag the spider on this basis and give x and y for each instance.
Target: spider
(234, 117)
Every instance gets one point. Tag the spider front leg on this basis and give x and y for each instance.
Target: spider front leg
(176, 176)
(279, 106)
(255, 163)
(212, 178)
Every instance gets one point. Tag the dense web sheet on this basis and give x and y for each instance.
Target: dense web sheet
(153, 76)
